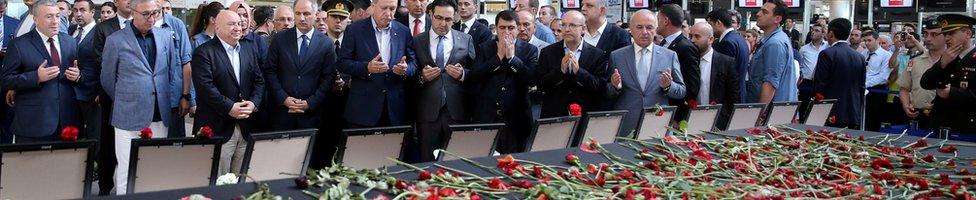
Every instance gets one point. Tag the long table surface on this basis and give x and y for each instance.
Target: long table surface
(287, 188)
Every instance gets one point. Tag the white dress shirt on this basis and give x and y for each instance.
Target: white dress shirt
(576, 54)
(643, 71)
(85, 30)
(538, 43)
(468, 24)
(878, 71)
(448, 45)
(122, 21)
(308, 37)
(593, 39)
(412, 24)
(47, 46)
(723, 34)
(810, 54)
(706, 75)
(233, 54)
(383, 41)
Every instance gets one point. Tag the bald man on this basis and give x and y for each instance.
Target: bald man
(719, 80)
(599, 32)
(284, 18)
(226, 101)
(646, 74)
(572, 71)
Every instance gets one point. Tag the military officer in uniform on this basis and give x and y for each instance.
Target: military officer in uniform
(954, 76)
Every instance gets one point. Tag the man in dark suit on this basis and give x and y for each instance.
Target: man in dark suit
(106, 161)
(505, 68)
(479, 32)
(378, 56)
(731, 44)
(40, 67)
(840, 75)
(576, 77)
(230, 87)
(416, 19)
(9, 29)
(669, 25)
(599, 32)
(790, 28)
(299, 69)
(446, 56)
(91, 112)
(719, 80)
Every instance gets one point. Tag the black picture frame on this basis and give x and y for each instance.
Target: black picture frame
(346, 133)
(652, 111)
(159, 142)
(581, 131)
(472, 127)
(530, 142)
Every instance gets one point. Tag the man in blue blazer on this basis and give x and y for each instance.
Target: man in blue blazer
(136, 75)
(479, 32)
(299, 71)
(377, 54)
(41, 68)
(731, 44)
(6, 112)
(599, 32)
(645, 75)
(230, 86)
(91, 113)
(840, 75)
(505, 68)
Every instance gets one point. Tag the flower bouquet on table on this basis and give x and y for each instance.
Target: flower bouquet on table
(771, 163)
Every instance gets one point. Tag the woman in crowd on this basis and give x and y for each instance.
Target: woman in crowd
(106, 11)
(203, 26)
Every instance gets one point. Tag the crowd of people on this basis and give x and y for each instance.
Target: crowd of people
(343, 64)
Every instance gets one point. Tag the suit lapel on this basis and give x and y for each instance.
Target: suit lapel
(655, 61)
(39, 45)
(162, 61)
(312, 44)
(630, 66)
(717, 66)
(65, 55)
(134, 43)
(370, 36)
(225, 62)
(394, 46)
(424, 52)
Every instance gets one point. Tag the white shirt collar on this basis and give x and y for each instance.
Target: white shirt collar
(599, 31)
(637, 49)
(708, 55)
(87, 28)
(533, 40)
(579, 48)
(122, 20)
(469, 23)
(823, 44)
(306, 34)
(45, 37)
(423, 20)
(227, 47)
(433, 35)
(670, 38)
(839, 41)
(727, 31)
(378, 28)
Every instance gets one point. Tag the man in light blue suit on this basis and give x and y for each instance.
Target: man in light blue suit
(136, 75)
(645, 74)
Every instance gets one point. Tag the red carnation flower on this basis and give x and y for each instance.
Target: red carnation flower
(575, 109)
(447, 192)
(205, 132)
(660, 112)
(879, 163)
(948, 148)
(818, 97)
(591, 146)
(69, 134)
(507, 162)
(571, 158)
(522, 184)
(497, 184)
(929, 158)
(302, 182)
(921, 143)
(692, 104)
(832, 119)
(424, 175)
(907, 163)
(146, 133)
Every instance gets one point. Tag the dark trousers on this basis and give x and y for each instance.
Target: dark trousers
(874, 107)
(432, 135)
(50, 138)
(106, 150)
(513, 137)
(330, 132)
(284, 121)
(177, 127)
(91, 117)
(806, 97)
(6, 119)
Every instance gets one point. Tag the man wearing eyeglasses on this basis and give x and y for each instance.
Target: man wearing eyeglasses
(808, 55)
(136, 75)
(572, 71)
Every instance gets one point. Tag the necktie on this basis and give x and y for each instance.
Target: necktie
(664, 41)
(439, 58)
(464, 28)
(303, 50)
(78, 34)
(55, 57)
(416, 27)
(869, 57)
(642, 73)
(336, 45)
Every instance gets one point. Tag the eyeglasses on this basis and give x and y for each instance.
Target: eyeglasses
(149, 14)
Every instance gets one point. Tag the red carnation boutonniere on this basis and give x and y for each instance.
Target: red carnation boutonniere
(146, 133)
(69, 134)
(575, 110)
(205, 132)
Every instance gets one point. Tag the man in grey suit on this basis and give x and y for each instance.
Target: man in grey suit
(445, 56)
(527, 29)
(135, 74)
(645, 74)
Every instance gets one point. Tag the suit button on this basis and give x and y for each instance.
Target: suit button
(498, 112)
(384, 91)
(299, 77)
(503, 88)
